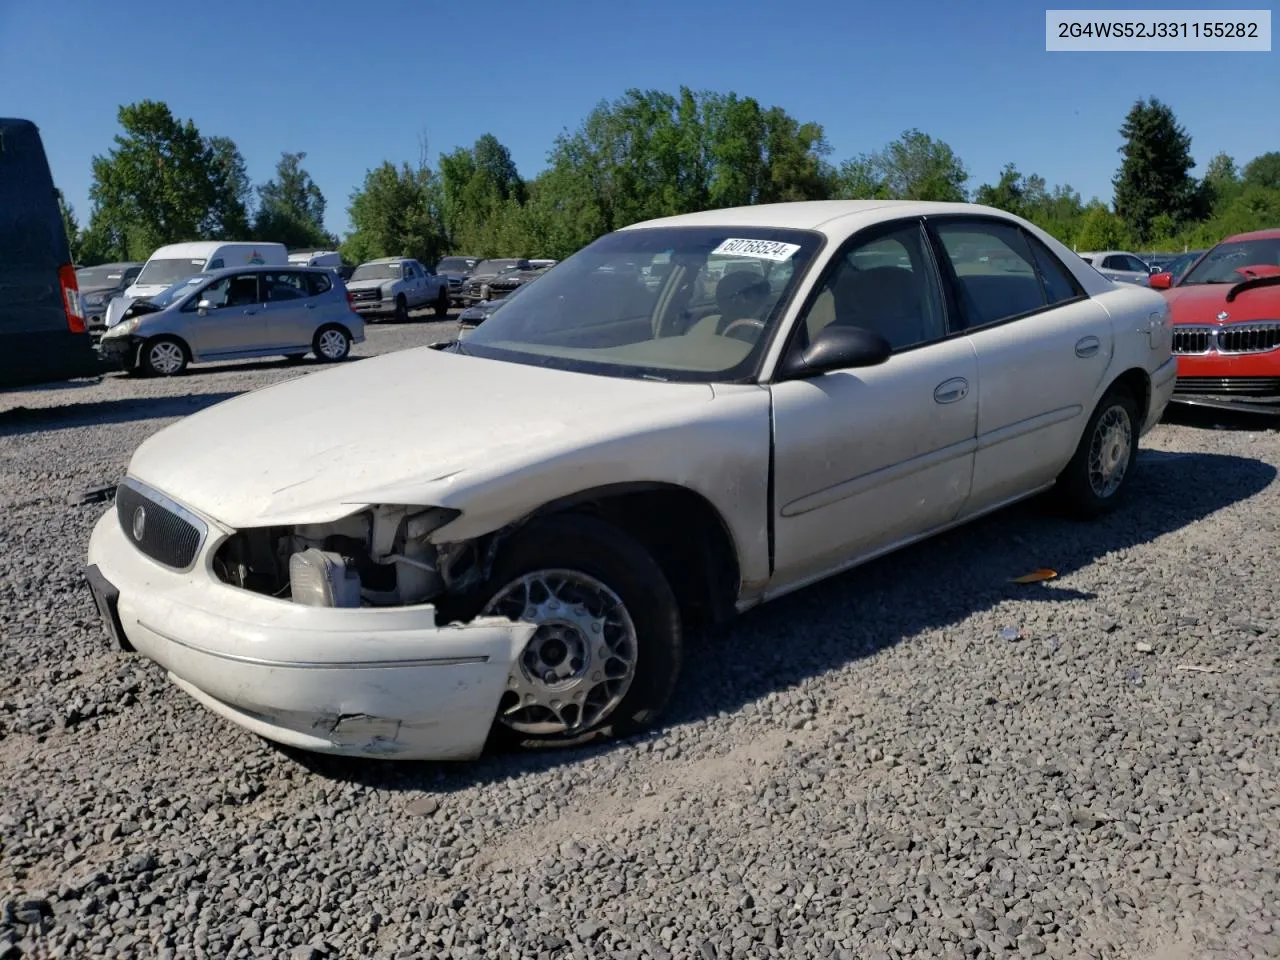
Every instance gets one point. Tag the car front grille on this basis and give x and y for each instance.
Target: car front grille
(1232, 386)
(1234, 338)
(365, 296)
(157, 526)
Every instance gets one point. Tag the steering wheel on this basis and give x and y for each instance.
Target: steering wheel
(743, 322)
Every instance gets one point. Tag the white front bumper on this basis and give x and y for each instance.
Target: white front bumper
(360, 682)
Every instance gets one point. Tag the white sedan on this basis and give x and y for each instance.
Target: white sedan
(623, 461)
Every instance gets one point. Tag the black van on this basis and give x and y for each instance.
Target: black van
(43, 335)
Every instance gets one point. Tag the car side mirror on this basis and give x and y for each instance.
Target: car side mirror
(837, 348)
(203, 307)
(1162, 280)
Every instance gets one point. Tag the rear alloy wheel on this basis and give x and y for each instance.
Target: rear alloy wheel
(164, 357)
(1097, 476)
(402, 309)
(442, 304)
(606, 654)
(331, 344)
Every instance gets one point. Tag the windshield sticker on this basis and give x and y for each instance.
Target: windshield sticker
(761, 249)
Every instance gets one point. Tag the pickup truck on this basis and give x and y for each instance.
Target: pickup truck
(392, 286)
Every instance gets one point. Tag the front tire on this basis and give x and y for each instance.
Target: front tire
(331, 343)
(402, 310)
(608, 649)
(442, 304)
(1096, 479)
(163, 357)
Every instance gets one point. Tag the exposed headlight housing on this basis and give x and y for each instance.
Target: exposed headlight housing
(123, 328)
(319, 578)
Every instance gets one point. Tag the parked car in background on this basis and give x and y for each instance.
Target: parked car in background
(478, 313)
(43, 334)
(456, 270)
(1226, 316)
(179, 261)
(315, 258)
(98, 285)
(234, 313)
(1119, 265)
(538, 264)
(504, 284)
(473, 290)
(1180, 264)
(619, 466)
(392, 286)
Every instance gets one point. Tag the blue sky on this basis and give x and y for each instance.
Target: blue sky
(356, 84)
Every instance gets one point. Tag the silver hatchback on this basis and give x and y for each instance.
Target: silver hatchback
(233, 314)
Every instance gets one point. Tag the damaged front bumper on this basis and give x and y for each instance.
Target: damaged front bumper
(375, 682)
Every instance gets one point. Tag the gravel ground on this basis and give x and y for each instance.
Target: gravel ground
(915, 759)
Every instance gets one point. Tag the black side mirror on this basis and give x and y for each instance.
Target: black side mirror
(837, 348)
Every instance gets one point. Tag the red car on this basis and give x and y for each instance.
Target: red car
(1226, 325)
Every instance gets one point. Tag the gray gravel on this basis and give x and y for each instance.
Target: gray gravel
(875, 767)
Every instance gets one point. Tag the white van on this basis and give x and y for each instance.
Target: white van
(179, 261)
(316, 258)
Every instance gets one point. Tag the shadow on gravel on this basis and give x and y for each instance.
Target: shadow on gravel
(20, 420)
(938, 583)
(1207, 418)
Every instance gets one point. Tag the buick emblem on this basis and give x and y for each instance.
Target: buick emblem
(139, 523)
(1223, 315)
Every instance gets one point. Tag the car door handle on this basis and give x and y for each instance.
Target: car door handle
(1087, 347)
(949, 391)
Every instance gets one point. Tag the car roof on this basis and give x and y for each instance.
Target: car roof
(264, 268)
(1270, 234)
(123, 264)
(836, 219)
(387, 260)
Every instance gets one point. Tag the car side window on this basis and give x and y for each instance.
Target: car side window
(318, 283)
(233, 291)
(130, 275)
(216, 264)
(1059, 285)
(1136, 265)
(885, 284)
(995, 273)
(285, 285)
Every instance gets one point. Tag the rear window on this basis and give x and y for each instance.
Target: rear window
(31, 230)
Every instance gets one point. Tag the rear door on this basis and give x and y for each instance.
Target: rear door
(292, 308)
(1043, 347)
(38, 341)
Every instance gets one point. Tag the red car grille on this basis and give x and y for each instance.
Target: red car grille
(1234, 338)
(1235, 386)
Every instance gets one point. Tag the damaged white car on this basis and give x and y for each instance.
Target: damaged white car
(686, 418)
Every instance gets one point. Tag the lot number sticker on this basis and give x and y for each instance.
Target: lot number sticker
(763, 249)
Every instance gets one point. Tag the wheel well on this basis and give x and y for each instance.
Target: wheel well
(685, 535)
(1137, 382)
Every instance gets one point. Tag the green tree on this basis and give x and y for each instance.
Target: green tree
(163, 183)
(1101, 229)
(1263, 171)
(481, 194)
(1221, 181)
(913, 167)
(394, 213)
(1008, 193)
(1154, 175)
(291, 207)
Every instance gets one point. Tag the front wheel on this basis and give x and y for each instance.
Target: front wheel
(606, 654)
(1095, 480)
(402, 309)
(442, 304)
(331, 344)
(163, 357)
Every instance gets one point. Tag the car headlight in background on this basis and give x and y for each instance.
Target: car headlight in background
(94, 299)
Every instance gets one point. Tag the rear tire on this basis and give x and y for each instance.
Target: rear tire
(442, 304)
(607, 655)
(331, 343)
(402, 310)
(1097, 477)
(164, 357)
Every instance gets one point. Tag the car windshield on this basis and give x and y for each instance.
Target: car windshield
(159, 273)
(179, 290)
(90, 277)
(1223, 263)
(455, 265)
(497, 266)
(377, 271)
(668, 303)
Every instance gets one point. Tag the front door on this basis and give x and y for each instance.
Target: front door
(1043, 348)
(233, 322)
(866, 458)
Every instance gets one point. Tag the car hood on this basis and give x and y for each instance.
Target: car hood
(318, 447)
(367, 284)
(1202, 302)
